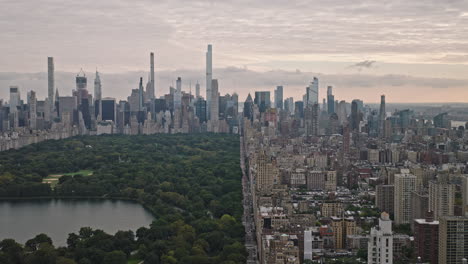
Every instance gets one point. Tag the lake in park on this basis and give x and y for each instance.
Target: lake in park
(24, 219)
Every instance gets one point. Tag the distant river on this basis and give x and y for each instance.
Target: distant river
(24, 219)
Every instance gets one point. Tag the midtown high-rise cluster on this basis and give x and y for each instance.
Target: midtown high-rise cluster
(146, 110)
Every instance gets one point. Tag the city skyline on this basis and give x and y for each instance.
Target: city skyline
(244, 81)
(398, 48)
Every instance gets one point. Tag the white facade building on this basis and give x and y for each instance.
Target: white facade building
(380, 245)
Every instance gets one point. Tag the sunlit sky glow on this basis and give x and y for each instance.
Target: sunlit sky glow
(413, 51)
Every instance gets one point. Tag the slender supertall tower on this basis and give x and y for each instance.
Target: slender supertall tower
(209, 77)
(151, 91)
(51, 83)
(97, 87)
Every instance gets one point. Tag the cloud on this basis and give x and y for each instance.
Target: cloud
(117, 34)
(453, 58)
(363, 65)
(402, 88)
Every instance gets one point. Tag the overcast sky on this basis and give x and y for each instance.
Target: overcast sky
(413, 51)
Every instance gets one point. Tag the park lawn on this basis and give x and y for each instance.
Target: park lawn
(133, 260)
(53, 179)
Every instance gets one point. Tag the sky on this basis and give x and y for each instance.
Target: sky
(411, 51)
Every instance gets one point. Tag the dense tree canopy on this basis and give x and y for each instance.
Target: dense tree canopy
(191, 183)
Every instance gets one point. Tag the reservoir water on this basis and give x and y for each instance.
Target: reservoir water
(24, 219)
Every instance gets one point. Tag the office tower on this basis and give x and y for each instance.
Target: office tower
(426, 239)
(32, 101)
(384, 198)
(312, 93)
(81, 80)
(50, 83)
(235, 104)
(97, 95)
(380, 245)
(14, 99)
(405, 116)
(140, 95)
(442, 121)
(159, 105)
(441, 199)
(341, 111)
(355, 116)
(299, 109)
(178, 93)
(209, 77)
(382, 115)
(81, 86)
(248, 107)
(150, 92)
(68, 106)
(215, 100)
(197, 90)
(200, 110)
(279, 97)
(311, 114)
(289, 105)
(109, 109)
(453, 239)
(262, 100)
(330, 100)
(405, 184)
(464, 192)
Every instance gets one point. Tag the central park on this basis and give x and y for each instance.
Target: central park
(189, 184)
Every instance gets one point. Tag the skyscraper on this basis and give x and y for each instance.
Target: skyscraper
(50, 83)
(200, 110)
(262, 100)
(109, 109)
(380, 245)
(312, 93)
(355, 115)
(215, 101)
(382, 115)
(209, 77)
(81, 81)
(248, 107)
(178, 93)
(150, 93)
(279, 97)
(140, 95)
(97, 87)
(32, 110)
(405, 184)
(14, 99)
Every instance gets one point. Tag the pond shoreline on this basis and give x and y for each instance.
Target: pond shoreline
(13, 198)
